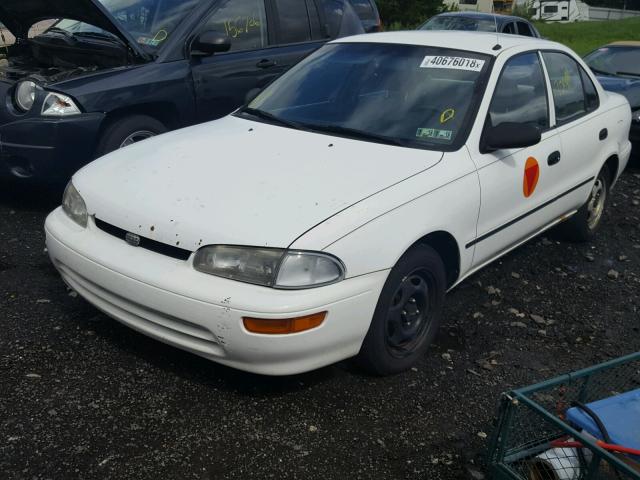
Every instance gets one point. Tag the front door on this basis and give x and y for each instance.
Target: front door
(222, 80)
(267, 38)
(516, 184)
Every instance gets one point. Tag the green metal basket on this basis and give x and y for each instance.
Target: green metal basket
(531, 418)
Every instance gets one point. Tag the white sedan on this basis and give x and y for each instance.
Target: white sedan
(328, 218)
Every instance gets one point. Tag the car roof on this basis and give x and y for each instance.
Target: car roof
(479, 42)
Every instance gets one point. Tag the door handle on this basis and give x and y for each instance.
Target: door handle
(554, 158)
(604, 133)
(266, 63)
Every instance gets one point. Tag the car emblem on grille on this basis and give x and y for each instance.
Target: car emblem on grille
(132, 239)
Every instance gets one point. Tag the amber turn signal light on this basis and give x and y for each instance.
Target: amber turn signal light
(283, 326)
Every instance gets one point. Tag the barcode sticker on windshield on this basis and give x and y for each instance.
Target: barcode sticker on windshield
(453, 63)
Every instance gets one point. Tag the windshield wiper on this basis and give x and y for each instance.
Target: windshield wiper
(102, 36)
(64, 32)
(600, 72)
(629, 74)
(272, 118)
(356, 134)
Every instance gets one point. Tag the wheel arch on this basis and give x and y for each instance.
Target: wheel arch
(164, 112)
(445, 244)
(613, 164)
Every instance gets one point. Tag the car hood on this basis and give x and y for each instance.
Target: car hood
(629, 87)
(20, 15)
(234, 181)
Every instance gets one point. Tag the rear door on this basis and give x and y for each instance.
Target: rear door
(297, 30)
(582, 131)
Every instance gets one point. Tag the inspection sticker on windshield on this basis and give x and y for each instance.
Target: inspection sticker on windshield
(434, 133)
(453, 63)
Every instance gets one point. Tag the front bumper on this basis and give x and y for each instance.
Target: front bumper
(47, 150)
(168, 300)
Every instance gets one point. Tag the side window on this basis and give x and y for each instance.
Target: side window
(591, 94)
(509, 28)
(293, 21)
(524, 29)
(243, 21)
(521, 94)
(566, 85)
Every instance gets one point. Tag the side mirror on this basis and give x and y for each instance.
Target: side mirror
(251, 95)
(209, 43)
(510, 135)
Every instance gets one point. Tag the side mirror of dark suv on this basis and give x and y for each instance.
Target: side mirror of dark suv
(209, 43)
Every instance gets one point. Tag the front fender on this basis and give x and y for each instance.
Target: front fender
(373, 235)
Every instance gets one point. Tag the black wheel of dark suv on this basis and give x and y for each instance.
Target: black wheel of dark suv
(127, 131)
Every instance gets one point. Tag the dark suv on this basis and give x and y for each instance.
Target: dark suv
(105, 74)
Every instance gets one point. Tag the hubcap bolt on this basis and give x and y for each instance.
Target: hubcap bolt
(412, 300)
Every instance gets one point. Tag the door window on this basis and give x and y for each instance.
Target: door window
(521, 94)
(591, 94)
(243, 21)
(509, 28)
(524, 29)
(293, 21)
(566, 85)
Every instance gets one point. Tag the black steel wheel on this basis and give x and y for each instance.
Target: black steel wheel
(408, 313)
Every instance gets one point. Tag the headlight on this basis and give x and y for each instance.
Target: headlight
(74, 206)
(269, 267)
(635, 116)
(25, 95)
(59, 105)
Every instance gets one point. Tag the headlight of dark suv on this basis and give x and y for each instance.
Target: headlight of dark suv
(25, 95)
(635, 116)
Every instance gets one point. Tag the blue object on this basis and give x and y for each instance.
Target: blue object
(620, 416)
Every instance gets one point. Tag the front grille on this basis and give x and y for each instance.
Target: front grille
(146, 243)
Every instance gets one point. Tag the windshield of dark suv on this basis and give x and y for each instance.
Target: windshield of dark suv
(149, 22)
(413, 96)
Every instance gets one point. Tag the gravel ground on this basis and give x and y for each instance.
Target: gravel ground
(84, 397)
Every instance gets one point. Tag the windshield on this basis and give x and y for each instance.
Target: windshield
(149, 22)
(415, 96)
(460, 23)
(615, 61)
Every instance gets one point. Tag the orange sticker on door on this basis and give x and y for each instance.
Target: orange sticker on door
(531, 176)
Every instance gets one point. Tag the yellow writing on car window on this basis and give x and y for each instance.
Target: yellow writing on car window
(563, 83)
(241, 25)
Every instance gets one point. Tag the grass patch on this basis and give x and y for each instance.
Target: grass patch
(583, 37)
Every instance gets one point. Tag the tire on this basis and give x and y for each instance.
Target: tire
(586, 222)
(126, 131)
(408, 314)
